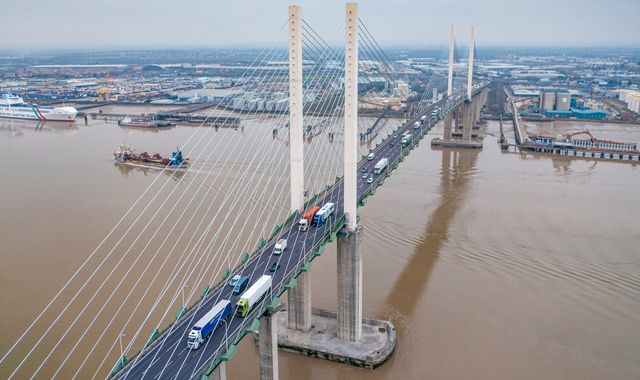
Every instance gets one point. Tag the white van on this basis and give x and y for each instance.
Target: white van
(281, 245)
(371, 156)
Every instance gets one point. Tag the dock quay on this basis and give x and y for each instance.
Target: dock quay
(582, 153)
(593, 148)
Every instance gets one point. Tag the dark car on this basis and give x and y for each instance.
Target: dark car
(274, 267)
(240, 285)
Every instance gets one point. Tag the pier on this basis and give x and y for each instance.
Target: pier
(214, 121)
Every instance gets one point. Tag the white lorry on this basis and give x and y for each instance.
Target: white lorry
(406, 138)
(253, 295)
(280, 246)
(380, 166)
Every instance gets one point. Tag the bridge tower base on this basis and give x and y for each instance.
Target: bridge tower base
(448, 123)
(376, 345)
(350, 284)
(299, 304)
(220, 373)
(343, 336)
(268, 347)
(461, 139)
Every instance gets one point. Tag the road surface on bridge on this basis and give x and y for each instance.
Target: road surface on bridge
(169, 357)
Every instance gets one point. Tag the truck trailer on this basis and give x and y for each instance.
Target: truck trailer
(380, 166)
(324, 213)
(406, 138)
(253, 295)
(307, 218)
(208, 324)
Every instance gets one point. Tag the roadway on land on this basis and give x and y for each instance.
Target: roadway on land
(169, 357)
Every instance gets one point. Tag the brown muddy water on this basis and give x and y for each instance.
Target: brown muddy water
(491, 265)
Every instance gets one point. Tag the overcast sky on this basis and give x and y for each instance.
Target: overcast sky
(36, 24)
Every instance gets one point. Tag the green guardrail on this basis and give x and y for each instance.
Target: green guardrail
(181, 312)
(122, 362)
(154, 334)
(204, 291)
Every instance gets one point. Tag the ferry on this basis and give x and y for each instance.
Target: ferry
(126, 155)
(14, 107)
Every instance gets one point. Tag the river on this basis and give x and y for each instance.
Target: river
(491, 265)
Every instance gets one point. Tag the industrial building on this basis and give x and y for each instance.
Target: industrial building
(589, 113)
(563, 101)
(208, 94)
(551, 99)
(547, 100)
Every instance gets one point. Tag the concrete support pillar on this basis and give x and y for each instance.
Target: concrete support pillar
(299, 304)
(476, 110)
(296, 140)
(268, 347)
(219, 373)
(448, 121)
(350, 284)
(467, 118)
(351, 115)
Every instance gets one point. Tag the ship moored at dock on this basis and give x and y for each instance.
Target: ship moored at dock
(14, 107)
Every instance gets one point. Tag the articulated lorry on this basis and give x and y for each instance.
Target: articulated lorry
(406, 138)
(254, 294)
(325, 212)
(208, 324)
(380, 166)
(307, 218)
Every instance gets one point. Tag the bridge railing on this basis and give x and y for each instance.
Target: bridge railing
(225, 353)
(316, 250)
(251, 323)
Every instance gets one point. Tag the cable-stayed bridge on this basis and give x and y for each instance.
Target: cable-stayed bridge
(326, 87)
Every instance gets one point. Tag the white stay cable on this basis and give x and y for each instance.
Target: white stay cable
(104, 260)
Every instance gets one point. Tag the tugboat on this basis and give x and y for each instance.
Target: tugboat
(126, 155)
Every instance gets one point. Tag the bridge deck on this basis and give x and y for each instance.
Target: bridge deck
(169, 358)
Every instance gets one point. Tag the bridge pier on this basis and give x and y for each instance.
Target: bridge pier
(268, 347)
(220, 373)
(350, 284)
(467, 121)
(466, 117)
(299, 304)
(448, 122)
